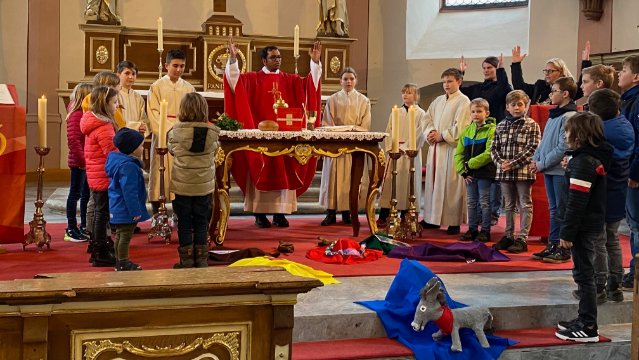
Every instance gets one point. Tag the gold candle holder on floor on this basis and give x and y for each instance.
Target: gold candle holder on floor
(37, 227)
(410, 226)
(161, 226)
(393, 227)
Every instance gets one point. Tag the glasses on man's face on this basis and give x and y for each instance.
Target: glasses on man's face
(548, 71)
(552, 91)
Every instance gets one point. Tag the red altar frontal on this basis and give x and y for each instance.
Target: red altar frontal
(12, 169)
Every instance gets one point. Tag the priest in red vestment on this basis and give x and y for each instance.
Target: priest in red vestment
(270, 184)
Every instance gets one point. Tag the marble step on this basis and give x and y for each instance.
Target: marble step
(517, 300)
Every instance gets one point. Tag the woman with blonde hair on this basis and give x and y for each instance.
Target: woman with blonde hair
(539, 92)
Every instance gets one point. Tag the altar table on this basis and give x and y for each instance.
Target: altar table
(301, 145)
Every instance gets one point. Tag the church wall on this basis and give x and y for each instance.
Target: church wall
(13, 45)
(552, 34)
(625, 25)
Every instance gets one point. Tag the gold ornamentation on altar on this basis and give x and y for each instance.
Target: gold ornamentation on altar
(381, 157)
(3, 142)
(335, 64)
(102, 55)
(218, 58)
(219, 156)
(303, 152)
(229, 340)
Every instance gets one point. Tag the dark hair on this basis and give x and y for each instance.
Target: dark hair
(492, 60)
(349, 70)
(605, 103)
(453, 72)
(125, 64)
(567, 84)
(193, 108)
(633, 63)
(265, 51)
(100, 96)
(584, 128)
(175, 54)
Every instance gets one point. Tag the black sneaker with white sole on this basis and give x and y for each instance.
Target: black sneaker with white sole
(579, 334)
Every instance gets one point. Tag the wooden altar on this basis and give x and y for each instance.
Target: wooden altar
(302, 145)
(236, 313)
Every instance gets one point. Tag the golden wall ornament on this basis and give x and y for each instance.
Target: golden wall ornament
(102, 54)
(229, 340)
(216, 62)
(335, 64)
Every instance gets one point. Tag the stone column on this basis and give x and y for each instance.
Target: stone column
(43, 68)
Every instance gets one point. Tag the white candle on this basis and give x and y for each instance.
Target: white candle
(42, 121)
(160, 35)
(412, 129)
(395, 129)
(296, 41)
(164, 106)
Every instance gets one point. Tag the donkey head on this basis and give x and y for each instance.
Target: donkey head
(429, 306)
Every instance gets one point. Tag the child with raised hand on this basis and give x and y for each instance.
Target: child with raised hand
(410, 96)
(582, 216)
(78, 188)
(547, 160)
(192, 142)
(98, 126)
(516, 139)
(474, 164)
(127, 193)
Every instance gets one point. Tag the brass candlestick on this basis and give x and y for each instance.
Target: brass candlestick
(161, 227)
(160, 64)
(296, 58)
(393, 219)
(37, 227)
(411, 224)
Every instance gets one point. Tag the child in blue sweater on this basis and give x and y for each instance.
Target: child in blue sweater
(127, 193)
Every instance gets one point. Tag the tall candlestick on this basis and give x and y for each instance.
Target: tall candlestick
(412, 129)
(42, 121)
(296, 41)
(395, 129)
(164, 106)
(160, 35)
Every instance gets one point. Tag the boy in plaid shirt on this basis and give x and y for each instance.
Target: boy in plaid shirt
(516, 139)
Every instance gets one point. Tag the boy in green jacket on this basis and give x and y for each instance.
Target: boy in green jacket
(474, 164)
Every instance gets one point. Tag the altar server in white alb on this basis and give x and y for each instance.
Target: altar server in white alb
(345, 107)
(410, 97)
(131, 102)
(172, 88)
(444, 193)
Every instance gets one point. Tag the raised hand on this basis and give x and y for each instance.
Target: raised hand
(500, 64)
(517, 56)
(585, 53)
(232, 49)
(462, 64)
(316, 52)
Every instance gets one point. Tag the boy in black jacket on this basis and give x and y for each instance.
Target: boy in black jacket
(582, 216)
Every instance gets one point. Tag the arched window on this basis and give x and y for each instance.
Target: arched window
(480, 4)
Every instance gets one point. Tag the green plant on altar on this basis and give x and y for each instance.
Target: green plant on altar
(226, 122)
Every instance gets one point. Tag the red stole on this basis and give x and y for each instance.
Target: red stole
(251, 103)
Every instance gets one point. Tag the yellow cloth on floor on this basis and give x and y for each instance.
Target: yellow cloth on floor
(290, 266)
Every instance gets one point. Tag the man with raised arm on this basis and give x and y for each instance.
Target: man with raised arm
(270, 184)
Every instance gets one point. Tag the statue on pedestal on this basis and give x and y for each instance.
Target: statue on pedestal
(333, 18)
(101, 12)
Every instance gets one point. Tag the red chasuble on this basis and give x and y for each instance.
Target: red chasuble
(251, 103)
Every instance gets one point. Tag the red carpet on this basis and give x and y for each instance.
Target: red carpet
(373, 348)
(303, 232)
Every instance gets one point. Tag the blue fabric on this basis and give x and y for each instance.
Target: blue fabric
(552, 147)
(620, 135)
(478, 195)
(630, 109)
(127, 192)
(632, 216)
(397, 311)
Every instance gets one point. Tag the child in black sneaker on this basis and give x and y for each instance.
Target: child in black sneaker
(516, 139)
(127, 192)
(582, 216)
